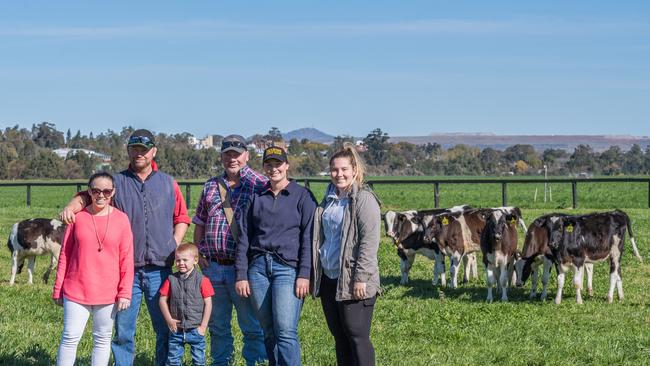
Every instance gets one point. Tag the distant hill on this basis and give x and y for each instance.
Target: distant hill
(311, 134)
(539, 142)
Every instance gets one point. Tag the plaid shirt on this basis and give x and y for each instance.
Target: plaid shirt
(218, 241)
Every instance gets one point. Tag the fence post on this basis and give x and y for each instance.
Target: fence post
(29, 196)
(78, 187)
(504, 194)
(188, 195)
(306, 183)
(436, 194)
(574, 193)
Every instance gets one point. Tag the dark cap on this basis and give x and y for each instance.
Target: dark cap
(143, 138)
(275, 152)
(233, 142)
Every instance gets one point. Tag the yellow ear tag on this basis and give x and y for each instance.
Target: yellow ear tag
(569, 228)
(513, 221)
(444, 221)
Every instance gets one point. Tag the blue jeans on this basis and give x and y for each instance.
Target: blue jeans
(146, 283)
(221, 340)
(177, 342)
(273, 289)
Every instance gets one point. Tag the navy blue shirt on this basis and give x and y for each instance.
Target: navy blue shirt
(280, 225)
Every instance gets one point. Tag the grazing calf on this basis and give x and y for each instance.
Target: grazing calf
(406, 228)
(33, 237)
(536, 253)
(499, 245)
(576, 240)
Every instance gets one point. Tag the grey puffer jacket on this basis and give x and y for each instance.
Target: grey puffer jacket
(359, 245)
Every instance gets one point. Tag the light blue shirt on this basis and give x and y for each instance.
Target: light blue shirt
(332, 221)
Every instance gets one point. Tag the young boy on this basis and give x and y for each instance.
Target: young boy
(186, 303)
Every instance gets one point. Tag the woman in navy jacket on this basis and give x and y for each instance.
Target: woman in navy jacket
(273, 257)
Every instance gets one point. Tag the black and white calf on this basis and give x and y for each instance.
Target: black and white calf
(33, 237)
(499, 245)
(576, 240)
(406, 228)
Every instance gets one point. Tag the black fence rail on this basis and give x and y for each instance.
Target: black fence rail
(435, 183)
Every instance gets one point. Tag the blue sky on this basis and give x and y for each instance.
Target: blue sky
(344, 67)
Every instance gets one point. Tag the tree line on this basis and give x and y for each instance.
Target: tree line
(28, 154)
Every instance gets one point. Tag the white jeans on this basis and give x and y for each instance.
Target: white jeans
(75, 317)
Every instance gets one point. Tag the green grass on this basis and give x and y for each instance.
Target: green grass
(415, 324)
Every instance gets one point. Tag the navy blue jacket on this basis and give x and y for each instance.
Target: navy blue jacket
(281, 225)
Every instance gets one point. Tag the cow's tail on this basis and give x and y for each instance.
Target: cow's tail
(629, 231)
(13, 239)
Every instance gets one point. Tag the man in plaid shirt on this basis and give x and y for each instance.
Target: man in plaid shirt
(216, 243)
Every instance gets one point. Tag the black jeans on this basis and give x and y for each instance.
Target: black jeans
(349, 322)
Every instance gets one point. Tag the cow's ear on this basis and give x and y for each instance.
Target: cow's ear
(416, 220)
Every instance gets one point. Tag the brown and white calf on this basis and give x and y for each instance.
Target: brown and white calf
(576, 240)
(406, 228)
(499, 245)
(33, 237)
(457, 235)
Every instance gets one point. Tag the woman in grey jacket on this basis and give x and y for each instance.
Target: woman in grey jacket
(346, 271)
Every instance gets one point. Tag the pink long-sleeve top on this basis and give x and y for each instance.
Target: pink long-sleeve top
(91, 277)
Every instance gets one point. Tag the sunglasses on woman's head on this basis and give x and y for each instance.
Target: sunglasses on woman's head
(105, 192)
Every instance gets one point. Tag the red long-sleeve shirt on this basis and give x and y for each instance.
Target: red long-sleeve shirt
(91, 277)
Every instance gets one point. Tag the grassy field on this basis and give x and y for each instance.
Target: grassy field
(415, 324)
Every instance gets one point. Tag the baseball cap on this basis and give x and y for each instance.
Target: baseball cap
(275, 152)
(143, 138)
(233, 142)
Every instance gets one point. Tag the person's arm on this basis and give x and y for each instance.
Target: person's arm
(199, 235)
(241, 251)
(76, 204)
(172, 323)
(66, 251)
(179, 232)
(368, 228)
(181, 219)
(307, 209)
(207, 309)
(125, 285)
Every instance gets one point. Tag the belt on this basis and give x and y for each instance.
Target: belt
(223, 262)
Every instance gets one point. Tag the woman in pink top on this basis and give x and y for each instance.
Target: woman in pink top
(95, 273)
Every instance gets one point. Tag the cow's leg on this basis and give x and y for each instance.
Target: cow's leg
(53, 262)
(489, 272)
(577, 281)
(533, 280)
(471, 267)
(614, 273)
(30, 270)
(560, 285)
(14, 266)
(467, 268)
(589, 268)
(546, 275)
(503, 278)
(405, 266)
(619, 283)
(440, 270)
(512, 274)
(454, 266)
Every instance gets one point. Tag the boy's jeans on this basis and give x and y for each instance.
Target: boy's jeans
(177, 341)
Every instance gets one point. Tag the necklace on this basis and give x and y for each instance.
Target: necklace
(100, 242)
